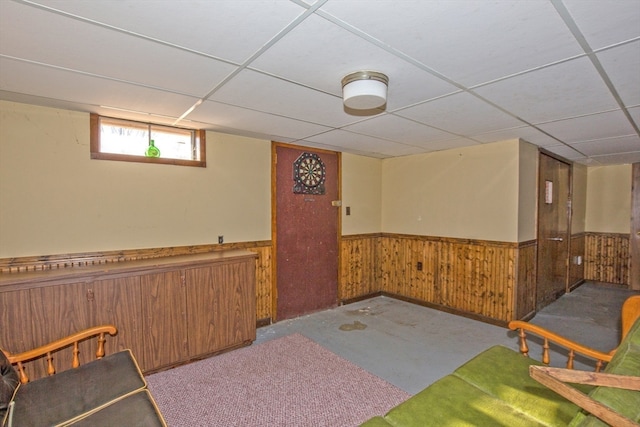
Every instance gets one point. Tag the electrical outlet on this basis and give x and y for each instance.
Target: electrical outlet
(220, 239)
(419, 266)
(348, 210)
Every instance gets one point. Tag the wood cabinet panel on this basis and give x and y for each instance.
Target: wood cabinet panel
(220, 307)
(16, 333)
(118, 302)
(146, 300)
(164, 329)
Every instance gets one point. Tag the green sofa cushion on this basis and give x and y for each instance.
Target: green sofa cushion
(504, 374)
(376, 422)
(452, 401)
(69, 394)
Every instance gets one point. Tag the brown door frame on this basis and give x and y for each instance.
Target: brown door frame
(274, 238)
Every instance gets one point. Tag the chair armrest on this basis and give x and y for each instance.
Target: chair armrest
(573, 346)
(48, 349)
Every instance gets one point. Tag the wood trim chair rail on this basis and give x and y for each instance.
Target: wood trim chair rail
(50, 348)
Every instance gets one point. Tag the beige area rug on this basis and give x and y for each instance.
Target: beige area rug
(290, 381)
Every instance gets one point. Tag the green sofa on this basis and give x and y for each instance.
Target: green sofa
(495, 389)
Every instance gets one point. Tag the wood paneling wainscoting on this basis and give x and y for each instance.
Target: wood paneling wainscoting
(491, 281)
(606, 257)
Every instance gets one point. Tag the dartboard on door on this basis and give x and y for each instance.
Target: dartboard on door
(306, 231)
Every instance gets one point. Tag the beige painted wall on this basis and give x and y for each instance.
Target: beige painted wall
(579, 200)
(609, 199)
(470, 192)
(529, 157)
(362, 192)
(54, 199)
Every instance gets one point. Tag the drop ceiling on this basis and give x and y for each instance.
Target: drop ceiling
(561, 74)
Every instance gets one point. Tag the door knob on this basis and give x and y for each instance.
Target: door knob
(555, 239)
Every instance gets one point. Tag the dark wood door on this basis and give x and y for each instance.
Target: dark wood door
(634, 243)
(553, 230)
(306, 235)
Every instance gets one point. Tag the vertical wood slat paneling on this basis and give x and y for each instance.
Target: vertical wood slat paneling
(525, 296)
(471, 276)
(359, 272)
(606, 257)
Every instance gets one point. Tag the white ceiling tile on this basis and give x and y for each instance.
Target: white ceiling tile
(635, 114)
(622, 65)
(72, 87)
(586, 128)
(151, 59)
(566, 152)
(142, 62)
(526, 133)
(205, 26)
(257, 91)
(353, 141)
(399, 129)
(604, 23)
(462, 114)
(230, 117)
(469, 41)
(624, 144)
(564, 90)
(617, 159)
(322, 62)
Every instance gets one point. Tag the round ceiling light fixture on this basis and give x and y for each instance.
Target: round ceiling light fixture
(364, 90)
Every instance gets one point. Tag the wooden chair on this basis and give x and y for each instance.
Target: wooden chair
(630, 312)
(49, 349)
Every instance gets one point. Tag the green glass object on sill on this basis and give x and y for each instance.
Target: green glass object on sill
(152, 150)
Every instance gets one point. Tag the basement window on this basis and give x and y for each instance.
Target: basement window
(131, 141)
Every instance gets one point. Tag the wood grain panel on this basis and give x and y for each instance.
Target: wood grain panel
(264, 269)
(526, 283)
(16, 333)
(58, 311)
(164, 330)
(607, 258)
(469, 276)
(117, 302)
(358, 275)
(264, 282)
(221, 307)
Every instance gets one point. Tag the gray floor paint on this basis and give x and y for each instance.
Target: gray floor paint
(412, 346)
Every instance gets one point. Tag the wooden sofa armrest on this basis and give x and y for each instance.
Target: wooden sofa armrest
(573, 346)
(555, 378)
(48, 349)
(630, 312)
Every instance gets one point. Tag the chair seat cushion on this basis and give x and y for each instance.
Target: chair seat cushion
(135, 410)
(8, 384)
(66, 395)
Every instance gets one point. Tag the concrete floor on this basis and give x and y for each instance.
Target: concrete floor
(412, 346)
